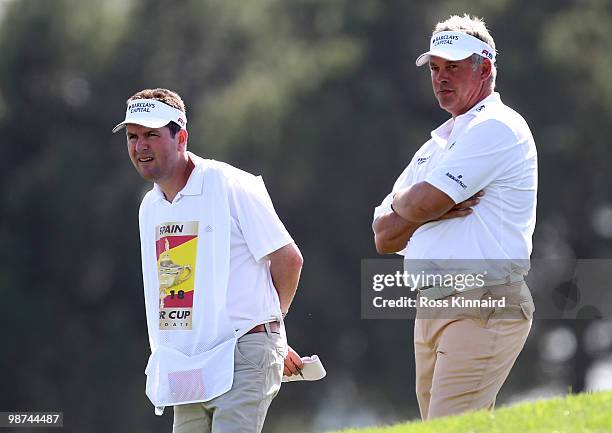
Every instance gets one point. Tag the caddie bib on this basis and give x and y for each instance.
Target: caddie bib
(185, 259)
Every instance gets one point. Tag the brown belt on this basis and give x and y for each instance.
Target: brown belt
(274, 327)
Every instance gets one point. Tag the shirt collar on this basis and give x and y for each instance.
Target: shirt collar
(159, 194)
(195, 183)
(443, 132)
(481, 106)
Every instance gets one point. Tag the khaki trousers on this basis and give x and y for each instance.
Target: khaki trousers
(258, 369)
(463, 355)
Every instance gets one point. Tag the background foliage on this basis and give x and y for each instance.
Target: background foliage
(321, 97)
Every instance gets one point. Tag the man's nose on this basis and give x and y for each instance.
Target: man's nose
(141, 144)
(441, 77)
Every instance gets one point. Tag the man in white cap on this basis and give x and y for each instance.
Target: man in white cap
(466, 203)
(220, 272)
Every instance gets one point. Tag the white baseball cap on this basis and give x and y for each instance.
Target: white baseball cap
(456, 46)
(152, 114)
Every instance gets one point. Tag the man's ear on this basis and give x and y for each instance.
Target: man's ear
(485, 69)
(182, 139)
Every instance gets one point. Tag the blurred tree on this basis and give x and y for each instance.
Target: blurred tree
(320, 97)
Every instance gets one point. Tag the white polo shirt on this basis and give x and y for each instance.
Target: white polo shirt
(490, 147)
(256, 231)
(206, 278)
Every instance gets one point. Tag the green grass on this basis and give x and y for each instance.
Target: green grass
(580, 413)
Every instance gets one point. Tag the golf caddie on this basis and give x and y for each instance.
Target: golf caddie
(465, 206)
(220, 272)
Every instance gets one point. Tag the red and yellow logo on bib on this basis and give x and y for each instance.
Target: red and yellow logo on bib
(176, 248)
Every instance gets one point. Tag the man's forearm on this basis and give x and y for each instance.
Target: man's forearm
(285, 268)
(392, 232)
(421, 203)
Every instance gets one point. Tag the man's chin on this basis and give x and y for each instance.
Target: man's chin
(444, 105)
(147, 175)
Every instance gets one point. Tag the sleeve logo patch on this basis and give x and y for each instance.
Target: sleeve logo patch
(423, 159)
(457, 179)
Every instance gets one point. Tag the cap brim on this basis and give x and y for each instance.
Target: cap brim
(149, 123)
(446, 55)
